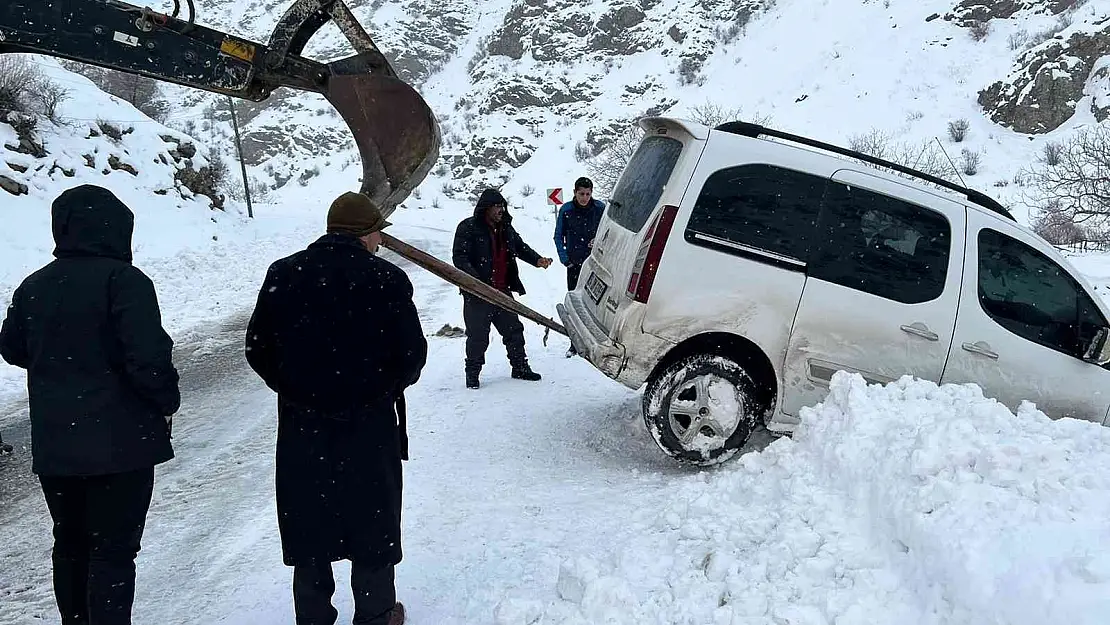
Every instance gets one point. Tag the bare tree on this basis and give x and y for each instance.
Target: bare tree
(979, 29)
(1056, 227)
(873, 142)
(18, 81)
(1052, 153)
(50, 96)
(606, 166)
(957, 130)
(713, 115)
(1077, 187)
(970, 161)
(925, 157)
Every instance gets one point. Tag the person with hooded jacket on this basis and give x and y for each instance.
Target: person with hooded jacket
(101, 390)
(486, 246)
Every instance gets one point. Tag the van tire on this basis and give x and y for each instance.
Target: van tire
(669, 423)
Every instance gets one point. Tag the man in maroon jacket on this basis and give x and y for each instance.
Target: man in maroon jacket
(486, 247)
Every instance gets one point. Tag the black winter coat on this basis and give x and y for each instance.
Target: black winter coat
(336, 334)
(87, 328)
(473, 249)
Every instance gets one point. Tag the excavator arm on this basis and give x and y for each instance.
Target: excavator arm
(395, 130)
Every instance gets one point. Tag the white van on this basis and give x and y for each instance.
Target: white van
(738, 267)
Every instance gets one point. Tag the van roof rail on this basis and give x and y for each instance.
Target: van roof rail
(755, 130)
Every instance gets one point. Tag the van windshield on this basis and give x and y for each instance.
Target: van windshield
(643, 181)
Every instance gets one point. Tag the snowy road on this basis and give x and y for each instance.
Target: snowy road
(501, 483)
(548, 504)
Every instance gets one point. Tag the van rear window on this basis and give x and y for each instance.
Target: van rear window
(643, 181)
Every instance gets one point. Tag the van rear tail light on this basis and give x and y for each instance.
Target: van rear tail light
(647, 258)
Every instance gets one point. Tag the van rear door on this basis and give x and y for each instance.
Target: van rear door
(612, 274)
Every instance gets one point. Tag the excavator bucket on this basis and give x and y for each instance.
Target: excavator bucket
(394, 129)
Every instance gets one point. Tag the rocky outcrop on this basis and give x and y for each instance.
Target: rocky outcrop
(1050, 81)
(528, 91)
(106, 149)
(970, 12)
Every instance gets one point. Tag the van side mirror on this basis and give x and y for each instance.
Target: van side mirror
(1098, 350)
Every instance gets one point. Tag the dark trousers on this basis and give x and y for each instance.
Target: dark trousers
(478, 315)
(374, 590)
(572, 276)
(98, 527)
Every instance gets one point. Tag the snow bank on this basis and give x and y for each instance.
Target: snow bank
(909, 503)
(1002, 517)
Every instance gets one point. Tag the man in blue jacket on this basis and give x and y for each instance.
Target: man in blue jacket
(575, 228)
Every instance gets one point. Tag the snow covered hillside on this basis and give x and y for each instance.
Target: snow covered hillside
(188, 237)
(525, 89)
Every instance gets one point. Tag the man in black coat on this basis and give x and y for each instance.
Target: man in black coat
(336, 334)
(486, 247)
(101, 388)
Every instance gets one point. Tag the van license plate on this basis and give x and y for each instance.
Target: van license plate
(595, 288)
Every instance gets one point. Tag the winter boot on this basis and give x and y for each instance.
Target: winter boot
(524, 372)
(397, 614)
(472, 380)
(5, 449)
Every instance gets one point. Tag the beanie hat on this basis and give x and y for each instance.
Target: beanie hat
(490, 197)
(356, 214)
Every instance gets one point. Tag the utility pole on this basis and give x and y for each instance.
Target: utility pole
(239, 150)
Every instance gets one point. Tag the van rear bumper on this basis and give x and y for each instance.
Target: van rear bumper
(591, 341)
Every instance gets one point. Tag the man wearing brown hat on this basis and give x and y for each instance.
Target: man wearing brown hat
(336, 334)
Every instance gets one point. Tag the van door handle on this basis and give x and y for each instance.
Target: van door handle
(981, 348)
(920, 329)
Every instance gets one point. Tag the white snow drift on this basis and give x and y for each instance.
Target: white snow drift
(910, 503)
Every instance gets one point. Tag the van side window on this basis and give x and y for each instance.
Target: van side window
(1027, 293)
(763, 212)
(883, 246)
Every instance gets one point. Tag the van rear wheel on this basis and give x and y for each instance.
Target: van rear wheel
(702, 409)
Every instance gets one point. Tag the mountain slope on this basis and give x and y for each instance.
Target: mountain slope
(519, 84)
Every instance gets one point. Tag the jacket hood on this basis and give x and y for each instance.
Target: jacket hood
(91, 221)
(488, 198)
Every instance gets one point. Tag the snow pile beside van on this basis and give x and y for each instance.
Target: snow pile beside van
(910, 503)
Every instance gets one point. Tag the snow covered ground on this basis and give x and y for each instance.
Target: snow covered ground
(548, 503)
